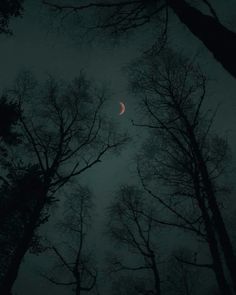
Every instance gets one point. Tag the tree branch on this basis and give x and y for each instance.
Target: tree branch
(193, 263)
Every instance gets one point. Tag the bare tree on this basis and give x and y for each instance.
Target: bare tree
(122, 16)
(184, 156)
(135, 231)
(74, 257)
(66, 135)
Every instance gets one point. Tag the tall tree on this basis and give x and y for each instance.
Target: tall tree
(135, 231)
(19, 198)
(122, 16)
(66, 135)
(188, 160)
(74, 257)
(9, 138)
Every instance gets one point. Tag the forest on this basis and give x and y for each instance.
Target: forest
(101, 202)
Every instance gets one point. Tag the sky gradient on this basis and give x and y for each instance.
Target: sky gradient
(36, 47)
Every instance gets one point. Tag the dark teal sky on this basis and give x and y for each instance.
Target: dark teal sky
(35, 47)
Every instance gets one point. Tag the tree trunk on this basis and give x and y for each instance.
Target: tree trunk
(211, 240)
(217, 263)
(220, 41)
(78, 288)
(21, 249)
(220, 228)
(218, 221)
(156, 276)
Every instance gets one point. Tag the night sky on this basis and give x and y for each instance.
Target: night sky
(38, 47)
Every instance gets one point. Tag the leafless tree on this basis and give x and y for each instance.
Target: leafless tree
(130, 228)
(74, 257)
(64, 133)
(183, 155)
(119, 17)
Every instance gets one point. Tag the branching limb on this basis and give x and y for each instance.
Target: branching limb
(205, 265)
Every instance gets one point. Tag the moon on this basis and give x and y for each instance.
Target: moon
(122, 108)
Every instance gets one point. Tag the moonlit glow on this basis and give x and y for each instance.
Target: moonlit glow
(122, 108)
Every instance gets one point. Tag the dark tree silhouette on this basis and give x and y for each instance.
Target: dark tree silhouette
(74, 257)
(122, 16)
(9, 9)
(18, 203)
(9, 137)
(136, 231)
(184, 156)
(66, 136)
(9, 117)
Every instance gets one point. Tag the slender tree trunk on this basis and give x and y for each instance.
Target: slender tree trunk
(217, 263)
(21, 249)
(78, 289)
(218, 221)
(186, 284)
(156, 276)
(212, 241)
(216, 37)
(219, 224)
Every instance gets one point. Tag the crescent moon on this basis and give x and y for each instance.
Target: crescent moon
(122, 108)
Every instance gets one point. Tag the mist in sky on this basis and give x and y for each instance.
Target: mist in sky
(40, 45)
